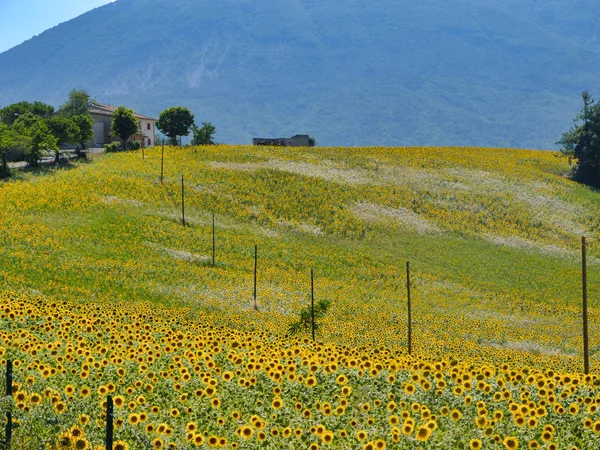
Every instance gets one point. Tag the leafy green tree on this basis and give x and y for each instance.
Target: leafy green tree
(312, 141)
(41, 139)
(77, 104)
(86, 132)
(175, 121)
(65, 130)
(10, 113)
(124, 124)
(582, 142)
(7, 141)
(203, 135)
(10, 140)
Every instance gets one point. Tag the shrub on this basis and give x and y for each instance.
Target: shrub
(112, 147)
(305, 320)
(135, 145)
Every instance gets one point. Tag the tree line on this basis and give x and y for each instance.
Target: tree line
(178, 121)
(36, 129)
(173, 122)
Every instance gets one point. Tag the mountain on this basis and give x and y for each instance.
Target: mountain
(502, 73)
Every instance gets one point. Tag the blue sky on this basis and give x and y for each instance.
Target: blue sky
(22, 19)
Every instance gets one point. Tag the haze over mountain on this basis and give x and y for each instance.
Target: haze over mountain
(505, 73)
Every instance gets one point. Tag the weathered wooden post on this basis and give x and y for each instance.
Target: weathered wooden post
(312, 302)
(162, 163)
(9, 384)
(213, 239)
(182, 202)
(9, 378)
(255, 270)
(409, 307)
(586, 344)
(143, 154)
(109, 423)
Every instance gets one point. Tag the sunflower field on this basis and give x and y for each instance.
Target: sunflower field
(104, 292)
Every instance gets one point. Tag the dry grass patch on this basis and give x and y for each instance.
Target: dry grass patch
(374, 213)
(181, 255)
(528, 347)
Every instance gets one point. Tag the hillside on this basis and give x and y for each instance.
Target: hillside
(467, 72)
(497, 231)
(105, 292)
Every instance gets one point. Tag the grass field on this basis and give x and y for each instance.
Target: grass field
(104, 291)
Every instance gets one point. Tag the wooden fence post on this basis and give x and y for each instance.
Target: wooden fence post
(312, 302)
(213, 239)
(9, 384)
(409, 307)
(109, 423)
(255, 270)
(9, 378)
(162, 163)
(586, 344)
(182, 202)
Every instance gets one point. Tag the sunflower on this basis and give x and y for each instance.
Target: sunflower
(475, 444)
(423, 433)
(81, 444)
(511, 442)
(246, 432)
(198, 439)
(120, 445)
(327, 437)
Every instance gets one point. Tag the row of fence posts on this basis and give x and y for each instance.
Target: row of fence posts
(586, 362)
(586, 357)
(109, 402)
(254, 290)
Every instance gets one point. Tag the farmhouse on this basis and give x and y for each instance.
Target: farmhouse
(299, 140)
(102, 116)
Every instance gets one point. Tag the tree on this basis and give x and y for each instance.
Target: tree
(41, 139)
(65, 130)
(124, 124)
(175, 121)
(582, 142)
(86, 132)
(77, 104)
(10, 113)
(12, 143)
(311, 141)
(204, 135)
(7, 141)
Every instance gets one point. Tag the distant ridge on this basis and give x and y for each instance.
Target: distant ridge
(503, 73)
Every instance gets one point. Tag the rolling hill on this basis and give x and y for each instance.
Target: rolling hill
(462, 72)
(105, 292)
